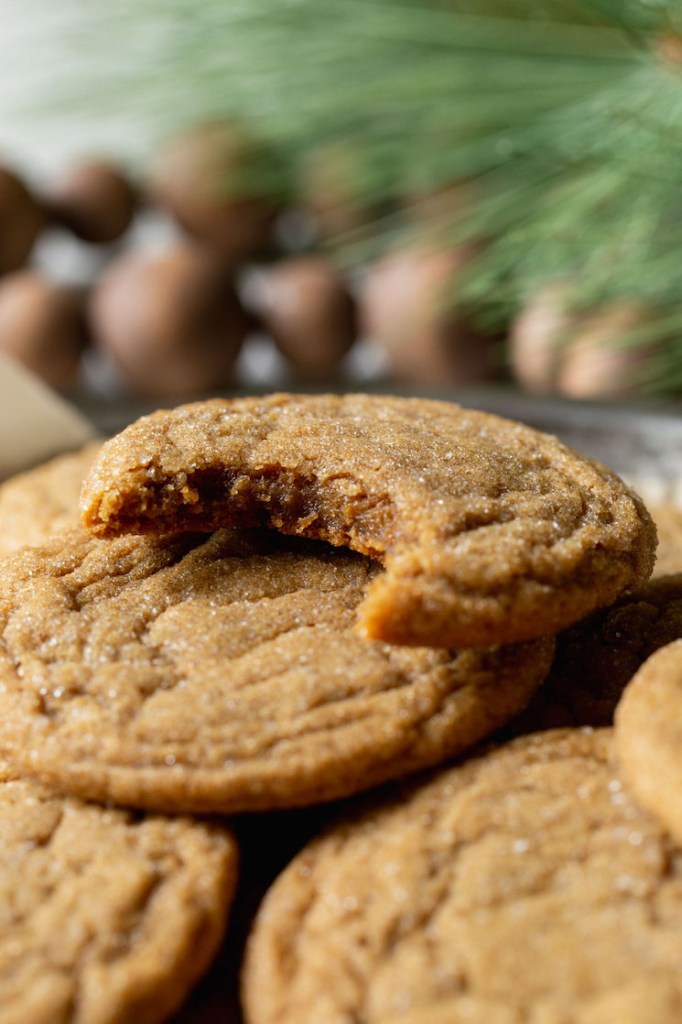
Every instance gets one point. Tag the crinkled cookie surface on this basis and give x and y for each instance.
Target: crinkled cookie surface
(224, 674)
(524, 885)
(105, 917)
(40, 502)
(489, 531)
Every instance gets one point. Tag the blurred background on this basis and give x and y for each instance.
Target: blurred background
(201, 196)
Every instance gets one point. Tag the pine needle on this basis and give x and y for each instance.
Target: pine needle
(566, 113)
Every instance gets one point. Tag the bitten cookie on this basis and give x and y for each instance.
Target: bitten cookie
(524, 885)
(489, 531)
(649, 735)
(106, 917)
(41, 502)
(224, 674)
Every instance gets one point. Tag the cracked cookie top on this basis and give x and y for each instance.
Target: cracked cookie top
(488, 531)
(224, 674)
(106, 916)
(524, 885)
(39, 503)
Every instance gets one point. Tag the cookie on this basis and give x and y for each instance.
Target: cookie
(596, 658)
(489, 531)
(106, 916)
(41, 502)
(224, 674)
(525, 885)
(649, 735)
(668, 519)
(267, 842)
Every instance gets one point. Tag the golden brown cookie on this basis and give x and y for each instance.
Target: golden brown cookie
(668, 519)
(649, 735)
(596, 658)
(224, 674)
(106, 917)
(41, 502)
(525, 885)
(267, 842)
(489, 531)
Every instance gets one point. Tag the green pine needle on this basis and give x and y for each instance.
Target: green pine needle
(567, 114)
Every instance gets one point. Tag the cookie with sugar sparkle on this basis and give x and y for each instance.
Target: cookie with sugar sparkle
(488, 531)
(596, 658)
(106, 916)
(40, 502)
(668, 519)
(649, 735)
(523, 885)
(224, 674)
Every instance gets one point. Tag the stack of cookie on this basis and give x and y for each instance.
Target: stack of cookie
(280, 602)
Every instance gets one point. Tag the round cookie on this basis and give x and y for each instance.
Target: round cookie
(668, 520)
(649, 735)
(267, 842)
(489, 531)
(106, 917)
(524, 885)
(224, 674)
(40, 502)
(596, 658)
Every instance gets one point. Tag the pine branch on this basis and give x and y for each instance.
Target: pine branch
(567, 113)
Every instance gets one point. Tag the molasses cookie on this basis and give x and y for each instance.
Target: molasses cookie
(668, 519)
(40, 502)
(649, 735)
(489, 531)
(524, 885)
(106, 917)
(596, 658)
(224, 674)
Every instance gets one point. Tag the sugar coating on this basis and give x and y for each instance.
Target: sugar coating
(649, 735)
(668, 519)
(105, 917)
(596, 658)
(224, 674)
(525, 885)
(39, 503)
(489, 531)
